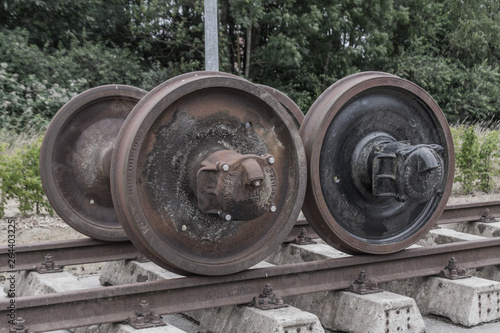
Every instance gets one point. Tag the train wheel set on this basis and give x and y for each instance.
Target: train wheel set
(208, 172)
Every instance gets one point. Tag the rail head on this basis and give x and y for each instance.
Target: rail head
(116, 303)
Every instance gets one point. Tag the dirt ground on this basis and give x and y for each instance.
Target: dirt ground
(36, 228)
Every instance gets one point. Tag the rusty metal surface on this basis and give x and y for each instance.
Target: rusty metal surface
(84, 251)
(49, 266)
(236, 186)
(304, 238)
(145, 318)
(66, 253)
(267, 300)
(75, 158)
(290, 106)
(348, 122)
(453, 271)
(297, 230)
(159, 152)
(363, 285)
(469, 212)
(117, 303)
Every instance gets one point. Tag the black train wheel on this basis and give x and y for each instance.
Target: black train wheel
(380, 163)
(76, 154)
(209, 174)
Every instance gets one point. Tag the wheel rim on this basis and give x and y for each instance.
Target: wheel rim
(287, 103)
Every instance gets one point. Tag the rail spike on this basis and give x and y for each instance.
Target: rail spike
(268, 300)
(49, 266)
(487, 217)
(304, 238)
(362, 285)
(452, 271)
(145, 318)
(19, 326)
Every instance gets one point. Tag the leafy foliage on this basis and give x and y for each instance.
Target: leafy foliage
(30, 102)
(92, 62)
(55, 24)
(20, 179)
(486, 166)
(475, 158)
(34, 83)
(467, 160)
(473, 31)
(463, 93)
(450, 47)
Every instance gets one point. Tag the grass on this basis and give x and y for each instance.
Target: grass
(484, 131)
(14, 140)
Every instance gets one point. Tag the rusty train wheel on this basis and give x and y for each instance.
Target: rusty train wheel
(76, 154)
(380, 163)
(289, 105)
(209, 174)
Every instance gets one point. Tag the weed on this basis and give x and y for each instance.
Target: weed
(476, 149)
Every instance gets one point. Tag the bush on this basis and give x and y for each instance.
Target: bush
(20, 179)
(92, 62)
(467, 159)
(35, 83)
(30, 102)
(462, 93)
(488, 151)
(475, 156)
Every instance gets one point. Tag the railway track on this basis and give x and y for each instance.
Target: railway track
(199, 292)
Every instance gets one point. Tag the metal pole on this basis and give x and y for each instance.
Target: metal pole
(211, 36)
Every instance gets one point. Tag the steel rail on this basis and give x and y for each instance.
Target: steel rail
(117, 303)
(64, 253)
(83, 251)
(452, 213)
(469, 212)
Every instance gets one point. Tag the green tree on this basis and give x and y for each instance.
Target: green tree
(299, 47)
(35, 83)
(473, 31)
(170, 33)
(451, 49)
(302, 47)
(58, 23)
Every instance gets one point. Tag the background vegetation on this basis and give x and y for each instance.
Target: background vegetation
(50, 50)
(449, 47)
